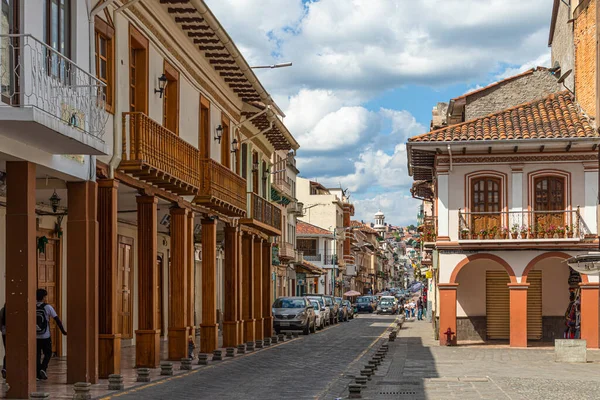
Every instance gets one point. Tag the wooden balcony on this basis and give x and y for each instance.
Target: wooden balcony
(221, 189)
(154, 154)
(513, 226)
(263, 215)
(286, 251)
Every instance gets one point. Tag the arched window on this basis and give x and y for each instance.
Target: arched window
(550, 197)
(485, 204)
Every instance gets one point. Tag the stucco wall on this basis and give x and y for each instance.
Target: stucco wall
(562, 43)
(521, 90)
(585, 58)
(471, 291)
(555, 286)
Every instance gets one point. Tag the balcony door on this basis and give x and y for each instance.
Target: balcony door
(138, 71)
(485, 204)
(9, 52)
(549, 197)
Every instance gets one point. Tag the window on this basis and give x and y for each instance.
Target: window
(264, 179)
(307, 246)
(104, 59)
(485, 204)
(58, 26)
(205, 136)
(171, 99)
(225, 142)
(549, 196)
(244, 161)
(9, 24)
(254, 172)
(138, 71)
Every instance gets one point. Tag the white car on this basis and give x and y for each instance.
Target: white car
(319, 312)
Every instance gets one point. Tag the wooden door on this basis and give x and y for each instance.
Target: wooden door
(124, 286)
(48, 277)
(159, 294)
(549, 196)
(485, 205)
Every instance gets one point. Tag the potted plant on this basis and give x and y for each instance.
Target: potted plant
(464, 233)
(525, 232)
(493, 232)
(514, 231)
(504, 233)
(550, 231)
(560, 232)
(482, 234)
(569, 230)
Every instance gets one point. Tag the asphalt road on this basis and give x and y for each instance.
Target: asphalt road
(310, 367)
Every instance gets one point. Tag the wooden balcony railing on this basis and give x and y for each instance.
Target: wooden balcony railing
(221, 188)
(263, 215)
(283, 185)
(157, 155)
(286, 251)
(522, 225)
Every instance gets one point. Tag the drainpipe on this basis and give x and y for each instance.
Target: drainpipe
(450, 154)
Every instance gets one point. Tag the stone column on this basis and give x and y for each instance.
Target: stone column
(147, 348)
(82, 281)
(447, 311)
(21, 278)
(209, 331)
(230, 318)
(248, 289)
(267, 289)
(258, 288)
(589, 313)
(191, 278)
(178, 328)
(109, 342)
(240, 285)
(518, 314)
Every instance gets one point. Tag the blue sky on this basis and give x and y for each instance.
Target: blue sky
(367, 74)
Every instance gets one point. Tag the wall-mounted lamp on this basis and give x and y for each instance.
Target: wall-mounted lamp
(162, 84)
(266, 173)
(54, 201)
(255, 166)
(219, 133)
(235, 146)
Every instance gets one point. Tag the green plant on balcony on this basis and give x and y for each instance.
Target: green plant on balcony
(481, 234)
(514, 231)
(493, 232)
(465, 233)
(569, 230)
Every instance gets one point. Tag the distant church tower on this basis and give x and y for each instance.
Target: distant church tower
(380, 223)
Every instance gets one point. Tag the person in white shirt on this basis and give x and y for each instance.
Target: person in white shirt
(43, 313)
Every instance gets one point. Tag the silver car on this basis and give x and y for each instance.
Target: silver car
(294, 313)
(325, 310)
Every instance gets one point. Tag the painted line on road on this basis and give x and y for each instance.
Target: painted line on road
(361, 355)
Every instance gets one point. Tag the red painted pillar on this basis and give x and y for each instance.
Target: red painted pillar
(589, 313)
(447, 311)
(518, 314)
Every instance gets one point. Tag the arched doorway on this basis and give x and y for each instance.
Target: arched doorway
(557, 287)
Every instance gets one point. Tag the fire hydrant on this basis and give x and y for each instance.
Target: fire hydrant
(449, 334)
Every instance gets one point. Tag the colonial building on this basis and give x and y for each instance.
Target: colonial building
(161, 225)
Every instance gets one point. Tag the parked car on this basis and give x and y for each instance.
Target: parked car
(294, 313)
(350, 308)
(364, 304)
(342, 310)
(334, 308)
(387, 306)
(319, 313)
(327, 312)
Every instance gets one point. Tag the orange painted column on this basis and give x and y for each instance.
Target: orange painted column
(447, 312)
(248, 287)
(589, 313)
(209, 330)
(258, 289)
(21, 279)
(147, 337)
(230, 317)
(109, 344)
(267, 301)
(518, 314)
(82, 282)
(178, 315)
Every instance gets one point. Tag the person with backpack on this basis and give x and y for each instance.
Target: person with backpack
(3, 330)
(43, 313)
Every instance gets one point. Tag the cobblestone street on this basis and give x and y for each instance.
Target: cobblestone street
(321, 366)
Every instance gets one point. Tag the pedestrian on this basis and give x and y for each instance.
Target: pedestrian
(407, 310)
(420, 309)
(412, 308)
(43, 313)
(3, 330)
(191, 347)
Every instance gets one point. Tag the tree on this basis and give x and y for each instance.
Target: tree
(411, 227)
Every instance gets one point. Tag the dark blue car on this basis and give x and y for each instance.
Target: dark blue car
(365, 304)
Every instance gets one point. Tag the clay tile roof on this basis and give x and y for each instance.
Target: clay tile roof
(555, 116)
(312, 268)
(362, 227)
(304, 228)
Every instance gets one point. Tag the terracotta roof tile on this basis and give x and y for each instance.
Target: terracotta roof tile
(304, 228)
(555, 116)
(362, 227)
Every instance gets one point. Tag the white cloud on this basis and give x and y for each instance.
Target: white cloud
(542, 61)
(398, 206)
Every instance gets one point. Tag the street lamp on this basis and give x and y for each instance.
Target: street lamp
(280, 65)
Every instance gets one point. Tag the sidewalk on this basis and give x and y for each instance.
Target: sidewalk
(417, 368)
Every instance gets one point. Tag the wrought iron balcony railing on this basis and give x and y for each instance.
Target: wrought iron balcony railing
(313, 257)
(522, 225)
(34, 75)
